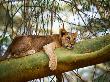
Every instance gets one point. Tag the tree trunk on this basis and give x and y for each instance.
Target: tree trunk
(59, 77)
(85, 53)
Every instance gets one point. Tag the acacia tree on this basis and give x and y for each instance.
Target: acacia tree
(85, 53)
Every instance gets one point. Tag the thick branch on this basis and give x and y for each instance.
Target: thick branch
(85, 53)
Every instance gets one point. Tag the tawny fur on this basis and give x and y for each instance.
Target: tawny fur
(29, 44)
(21, 44)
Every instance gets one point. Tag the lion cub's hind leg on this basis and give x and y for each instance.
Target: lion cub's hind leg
(23, 54)
(49, 50)
(30, 51)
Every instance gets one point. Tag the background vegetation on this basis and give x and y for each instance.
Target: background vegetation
(91, 18)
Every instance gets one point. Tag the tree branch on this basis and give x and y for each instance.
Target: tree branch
(85, 53)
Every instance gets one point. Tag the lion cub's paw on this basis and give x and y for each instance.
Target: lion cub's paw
(31, 52)
(49, 50)
(53, 63)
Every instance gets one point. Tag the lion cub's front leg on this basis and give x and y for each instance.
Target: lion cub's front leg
(49, 50)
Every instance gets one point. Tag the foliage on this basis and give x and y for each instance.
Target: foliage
(36, 15)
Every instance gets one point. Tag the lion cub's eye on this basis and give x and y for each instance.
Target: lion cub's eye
(74, 38)
(68, 38)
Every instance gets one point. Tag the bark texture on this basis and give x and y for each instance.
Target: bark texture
(85, 53)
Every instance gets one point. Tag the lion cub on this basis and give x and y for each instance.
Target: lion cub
(29, 44)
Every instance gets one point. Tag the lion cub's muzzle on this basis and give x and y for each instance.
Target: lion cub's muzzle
(69, 46)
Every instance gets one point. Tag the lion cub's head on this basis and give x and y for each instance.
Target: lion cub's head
(68, 39)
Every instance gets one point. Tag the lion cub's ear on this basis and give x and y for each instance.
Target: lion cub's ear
(75, 34)
(62, 32)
